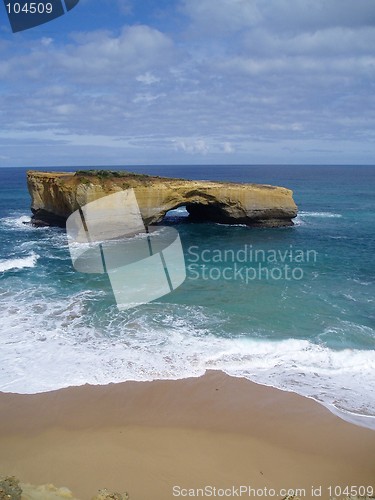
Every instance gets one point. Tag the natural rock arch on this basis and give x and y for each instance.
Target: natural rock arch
(56, 195)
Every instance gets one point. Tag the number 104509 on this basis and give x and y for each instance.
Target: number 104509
(29, 8)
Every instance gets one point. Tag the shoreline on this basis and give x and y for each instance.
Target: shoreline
(364, 420)
(146, 437)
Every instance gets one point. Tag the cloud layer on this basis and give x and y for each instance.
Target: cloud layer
(194, 81)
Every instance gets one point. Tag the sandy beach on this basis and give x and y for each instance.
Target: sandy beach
(166, 439)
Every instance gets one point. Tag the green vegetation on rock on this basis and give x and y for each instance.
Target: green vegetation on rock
(108, 174)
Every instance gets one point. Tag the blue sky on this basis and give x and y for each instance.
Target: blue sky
(117, 82)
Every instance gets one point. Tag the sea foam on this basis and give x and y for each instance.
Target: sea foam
(51, 343)
(324, 215)
(18, 263)
(16, 222)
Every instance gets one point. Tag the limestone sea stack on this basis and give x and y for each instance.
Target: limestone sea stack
(56, 195)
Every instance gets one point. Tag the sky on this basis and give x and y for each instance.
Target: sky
(132, 82)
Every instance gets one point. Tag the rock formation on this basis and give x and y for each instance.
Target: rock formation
(56, 195)
(12, 489)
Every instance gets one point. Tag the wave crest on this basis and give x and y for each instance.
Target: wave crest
(19, 263)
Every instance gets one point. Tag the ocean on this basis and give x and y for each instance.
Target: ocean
(289, 307)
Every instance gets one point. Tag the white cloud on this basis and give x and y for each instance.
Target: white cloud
(107, 57)
(221, 16)
(147, 78)
(318, 43)
(65, 109)
(236, 77)
(296, 65)
(46, 41)
(192, 146)
(227, 147)
(291, 16)
(311, 15)
(93, 58)
(294, 127)
(147, 98)
(124, 6)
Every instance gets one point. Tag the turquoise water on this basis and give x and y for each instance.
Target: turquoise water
(311, 331)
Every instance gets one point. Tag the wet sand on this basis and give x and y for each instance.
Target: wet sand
(166, 439)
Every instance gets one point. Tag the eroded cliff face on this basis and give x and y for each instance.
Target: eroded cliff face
(56, 195)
